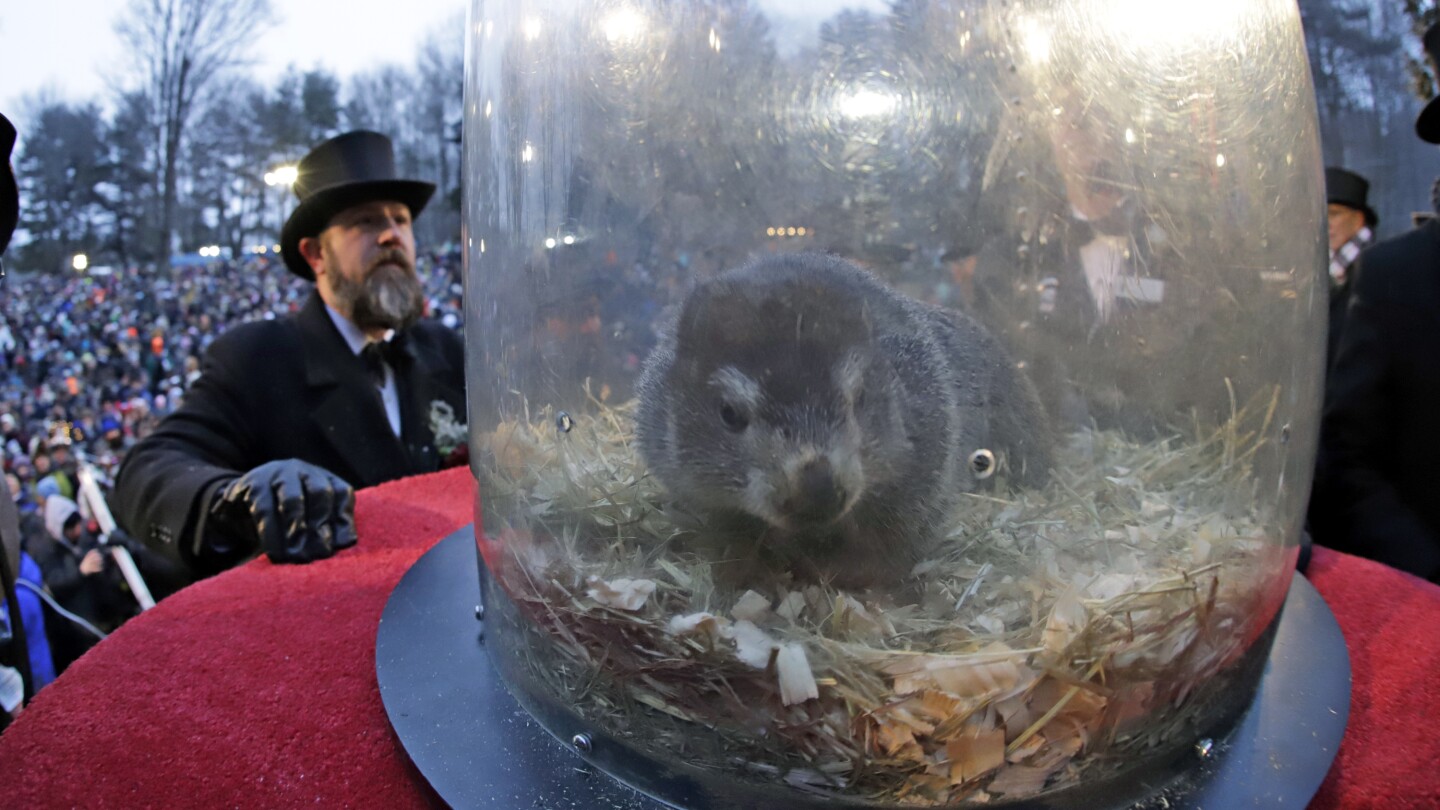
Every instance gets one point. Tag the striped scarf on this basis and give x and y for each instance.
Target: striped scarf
(1343, 259)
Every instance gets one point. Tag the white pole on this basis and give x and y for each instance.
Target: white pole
(91, 496)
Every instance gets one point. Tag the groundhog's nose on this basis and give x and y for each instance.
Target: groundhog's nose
(816, 496)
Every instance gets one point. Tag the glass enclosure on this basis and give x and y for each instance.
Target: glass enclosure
(890, 402)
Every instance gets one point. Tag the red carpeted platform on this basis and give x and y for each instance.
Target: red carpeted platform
(257, 688)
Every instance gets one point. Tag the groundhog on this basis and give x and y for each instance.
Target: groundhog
(822, 422)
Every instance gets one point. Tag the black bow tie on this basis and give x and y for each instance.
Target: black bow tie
(379, 353)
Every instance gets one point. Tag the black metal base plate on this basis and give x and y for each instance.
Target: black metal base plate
(478, 748)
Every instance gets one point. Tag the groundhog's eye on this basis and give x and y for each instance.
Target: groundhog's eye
(733, 418)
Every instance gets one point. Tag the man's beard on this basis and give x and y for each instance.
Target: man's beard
(390, 297)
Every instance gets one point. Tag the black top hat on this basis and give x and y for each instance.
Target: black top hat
(1350, 190)
(347, 170)
(1427, 126)
(9, 194)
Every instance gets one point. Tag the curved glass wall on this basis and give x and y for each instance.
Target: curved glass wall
(890, 402)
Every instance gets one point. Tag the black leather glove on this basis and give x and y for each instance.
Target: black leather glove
(292, 510)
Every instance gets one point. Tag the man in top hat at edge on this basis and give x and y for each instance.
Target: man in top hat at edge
(1380, 438)
(1351, 225)
(289, 416)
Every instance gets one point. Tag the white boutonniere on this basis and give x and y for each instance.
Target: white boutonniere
(450, 433)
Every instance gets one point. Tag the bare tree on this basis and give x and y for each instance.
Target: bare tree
(1422, 14)
(61, 168)
(440, 108)
(1369, 86)
(180, 46)
(381, 99)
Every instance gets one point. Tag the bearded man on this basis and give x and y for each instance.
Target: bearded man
(290, 416)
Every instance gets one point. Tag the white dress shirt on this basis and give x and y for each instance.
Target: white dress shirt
(389, 392)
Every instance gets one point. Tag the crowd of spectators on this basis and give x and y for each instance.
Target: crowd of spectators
(89, 364)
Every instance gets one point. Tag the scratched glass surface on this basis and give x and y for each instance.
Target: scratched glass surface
(890, 401)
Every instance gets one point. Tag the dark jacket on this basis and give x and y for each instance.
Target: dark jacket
(273, 390)
(102, 598)
(1339, 305)
(1378, 492)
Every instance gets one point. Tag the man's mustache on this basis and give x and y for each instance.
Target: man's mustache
(390, 256)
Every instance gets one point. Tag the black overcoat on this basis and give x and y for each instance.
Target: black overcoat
(1378, 487)
(282, 389)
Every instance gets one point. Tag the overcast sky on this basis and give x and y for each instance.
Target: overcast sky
(71, 46)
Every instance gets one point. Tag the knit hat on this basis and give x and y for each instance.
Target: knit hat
(58, 511)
